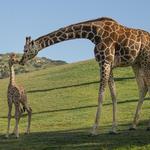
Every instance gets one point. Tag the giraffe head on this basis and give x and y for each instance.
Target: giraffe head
(13, 59)
(30, 50)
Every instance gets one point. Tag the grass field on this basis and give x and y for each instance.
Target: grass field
(64, 102)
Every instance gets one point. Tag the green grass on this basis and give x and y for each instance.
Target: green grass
(64, 102)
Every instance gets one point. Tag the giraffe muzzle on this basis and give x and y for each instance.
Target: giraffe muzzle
(21, 63)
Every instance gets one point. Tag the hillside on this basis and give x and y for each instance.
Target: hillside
(32, 65)
(64, 102)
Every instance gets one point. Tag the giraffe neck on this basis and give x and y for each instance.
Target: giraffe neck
(81, 30)
(12, 75)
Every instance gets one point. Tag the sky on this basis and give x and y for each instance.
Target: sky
(21, 18)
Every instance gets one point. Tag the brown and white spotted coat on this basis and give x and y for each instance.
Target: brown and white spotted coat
(16, 95)
(115, 45)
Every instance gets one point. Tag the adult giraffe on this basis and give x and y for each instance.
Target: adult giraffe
(115, 45)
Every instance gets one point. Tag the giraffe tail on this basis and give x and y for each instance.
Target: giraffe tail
(24, 109)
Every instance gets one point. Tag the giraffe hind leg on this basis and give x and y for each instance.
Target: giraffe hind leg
(20, 112)
(148, 128)
(140, 78)
(142, 93)
(112, 89)
(29, 111)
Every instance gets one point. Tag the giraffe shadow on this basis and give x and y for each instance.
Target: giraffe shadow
(83, 107)
(77, 108)
(80, 139)
(76, 85)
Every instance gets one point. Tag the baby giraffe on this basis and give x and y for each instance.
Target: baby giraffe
(16, 95)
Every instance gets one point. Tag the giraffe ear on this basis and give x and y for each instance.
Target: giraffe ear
(32, 42)
(28, 39)
(11, 55)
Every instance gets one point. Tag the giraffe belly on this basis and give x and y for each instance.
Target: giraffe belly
(125, 56)
(123, 61)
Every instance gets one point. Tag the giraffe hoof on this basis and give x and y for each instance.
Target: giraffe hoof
(148, 129)
(93, 133)
(13, 133)
(94, 130)
(132, 128)
(113, 132)
(16, 136)
(6, 136)
(26, 133)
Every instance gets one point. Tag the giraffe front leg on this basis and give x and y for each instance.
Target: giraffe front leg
(112, 89)
(138, 109)
(14, 131)
(98, 113)
(105, 71)
(9, 118)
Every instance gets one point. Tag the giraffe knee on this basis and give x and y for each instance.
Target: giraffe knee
(29, 110)
(23, 109)
(9, 116)
(17, 115)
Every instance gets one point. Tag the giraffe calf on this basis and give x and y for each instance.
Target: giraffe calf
(16, 95)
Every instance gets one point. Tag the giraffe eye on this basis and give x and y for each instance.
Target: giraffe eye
(25, 49)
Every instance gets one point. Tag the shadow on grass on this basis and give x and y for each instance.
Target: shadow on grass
(75, 85)
(78, 108)
(84, 107)
(77, 139)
